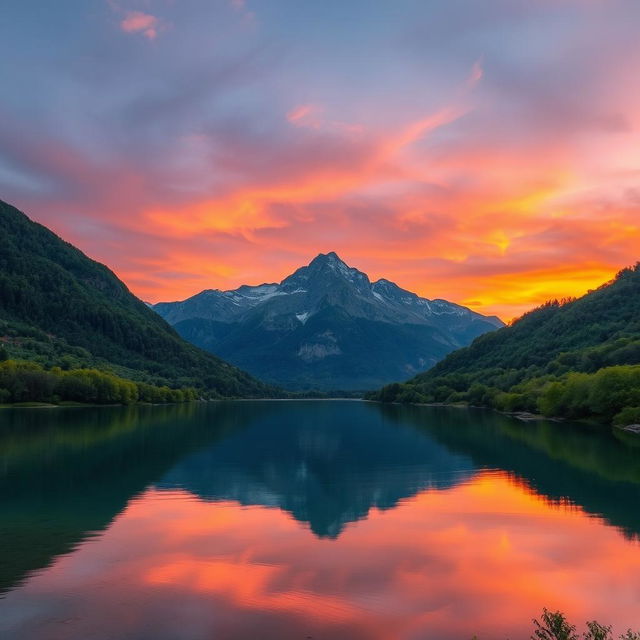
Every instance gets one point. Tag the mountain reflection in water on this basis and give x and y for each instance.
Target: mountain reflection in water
(324, 469)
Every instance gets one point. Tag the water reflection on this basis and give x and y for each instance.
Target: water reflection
(329, 520)
(326, 467)
(587, 466)
(65, 474)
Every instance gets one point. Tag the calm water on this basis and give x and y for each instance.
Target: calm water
(323, 520)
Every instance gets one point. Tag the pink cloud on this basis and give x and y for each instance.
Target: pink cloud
(138, 22)
(305, 115)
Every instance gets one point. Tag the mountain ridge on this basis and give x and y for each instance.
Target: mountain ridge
(322, 326)
(384, 290)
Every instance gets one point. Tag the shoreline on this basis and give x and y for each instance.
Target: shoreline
(522, 416)
(83, 405)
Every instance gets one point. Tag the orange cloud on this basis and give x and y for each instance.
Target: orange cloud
(477, 201)
(512, 236)
(512, 239)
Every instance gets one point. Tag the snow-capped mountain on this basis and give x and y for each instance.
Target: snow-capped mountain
(326, 326)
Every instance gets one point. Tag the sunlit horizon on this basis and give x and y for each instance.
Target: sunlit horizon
(484, 153)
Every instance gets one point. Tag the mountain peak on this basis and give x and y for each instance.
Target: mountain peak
(328, 258)
(325, 271)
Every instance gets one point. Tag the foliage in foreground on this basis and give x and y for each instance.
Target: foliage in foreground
(553, 625)
(577, 359)
(29, 382)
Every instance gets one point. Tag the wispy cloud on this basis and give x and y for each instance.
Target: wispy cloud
(305, 115)
(476, 74)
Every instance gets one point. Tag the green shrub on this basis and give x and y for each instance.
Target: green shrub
(509, 402)
(629, 415)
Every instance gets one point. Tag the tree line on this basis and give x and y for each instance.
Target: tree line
(610, 395)
(30, 382)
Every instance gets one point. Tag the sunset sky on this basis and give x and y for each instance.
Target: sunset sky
(482, 151)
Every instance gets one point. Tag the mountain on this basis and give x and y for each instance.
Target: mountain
(58, 307)
(326, 326)
(577, 359)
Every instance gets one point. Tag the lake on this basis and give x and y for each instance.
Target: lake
(320, 520)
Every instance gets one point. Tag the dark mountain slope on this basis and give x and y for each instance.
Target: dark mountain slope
(58, 307)
(333, 350)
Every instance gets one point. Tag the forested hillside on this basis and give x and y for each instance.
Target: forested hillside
(577, 358)
(59, 308)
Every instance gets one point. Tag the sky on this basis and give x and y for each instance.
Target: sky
(482, 151)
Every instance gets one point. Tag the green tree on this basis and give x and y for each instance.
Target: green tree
(553, 626)
(597, 631)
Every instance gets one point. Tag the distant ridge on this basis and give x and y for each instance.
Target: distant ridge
(326, 326)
